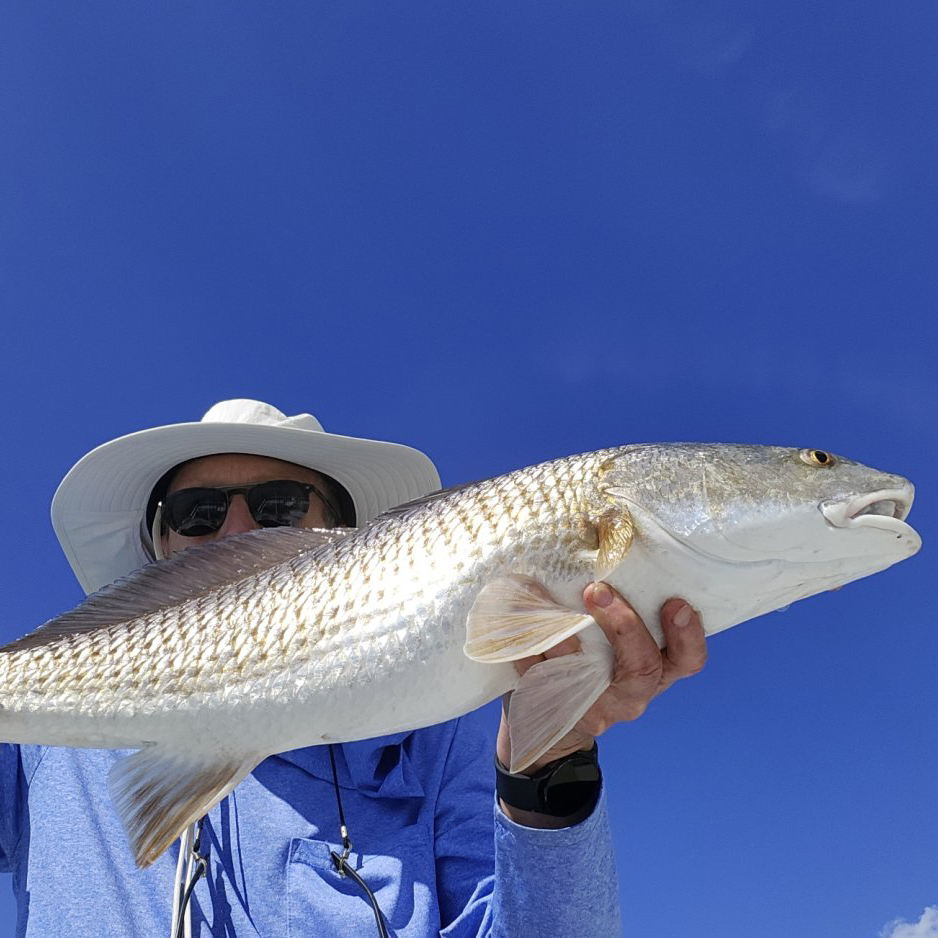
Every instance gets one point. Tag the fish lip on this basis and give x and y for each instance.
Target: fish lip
(863, 510)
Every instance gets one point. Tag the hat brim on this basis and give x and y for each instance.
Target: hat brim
(98, 509)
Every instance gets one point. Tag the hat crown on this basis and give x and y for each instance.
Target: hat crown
(245, 410)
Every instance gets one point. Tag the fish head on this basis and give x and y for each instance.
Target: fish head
(751, 504)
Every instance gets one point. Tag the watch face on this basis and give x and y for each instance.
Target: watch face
(572, 785)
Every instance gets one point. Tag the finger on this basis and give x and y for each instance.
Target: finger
(638, 660)
(685, 651)
(614, 615)
(566, 647)
(522, 664)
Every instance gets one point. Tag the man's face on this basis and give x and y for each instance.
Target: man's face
(240, 469)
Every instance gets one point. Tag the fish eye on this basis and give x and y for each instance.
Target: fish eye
(817, 457)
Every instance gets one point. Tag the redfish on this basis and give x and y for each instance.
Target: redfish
(280, 638)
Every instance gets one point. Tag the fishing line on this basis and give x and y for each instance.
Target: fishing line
(341, 862)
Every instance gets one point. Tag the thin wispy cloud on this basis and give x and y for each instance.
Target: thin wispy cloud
(847, 169)
(701, 40)
(836, 153)
(925, 927)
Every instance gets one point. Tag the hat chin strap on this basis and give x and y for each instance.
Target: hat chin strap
(156, 536)
(182, 915)
(184, 863)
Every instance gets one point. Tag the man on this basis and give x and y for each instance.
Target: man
(419, 805)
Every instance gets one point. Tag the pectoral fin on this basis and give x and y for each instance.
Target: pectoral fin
(615, 538)
(553, 695)
(158, 792)
(514, 617)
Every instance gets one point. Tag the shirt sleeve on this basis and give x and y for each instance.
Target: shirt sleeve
(499, 879)
(556, 882)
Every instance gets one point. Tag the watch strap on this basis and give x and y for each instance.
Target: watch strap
(561, 788)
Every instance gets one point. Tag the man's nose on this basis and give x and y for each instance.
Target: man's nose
(238, 518)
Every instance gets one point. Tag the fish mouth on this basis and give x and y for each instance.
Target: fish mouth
(886, 509)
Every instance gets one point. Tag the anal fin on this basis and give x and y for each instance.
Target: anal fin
(159, 791)
(514, 617)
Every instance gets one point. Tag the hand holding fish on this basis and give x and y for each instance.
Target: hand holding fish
(642, 671)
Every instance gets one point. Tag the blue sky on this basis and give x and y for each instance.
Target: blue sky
(507, 232)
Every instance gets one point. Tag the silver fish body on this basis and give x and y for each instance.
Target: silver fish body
(283, 638)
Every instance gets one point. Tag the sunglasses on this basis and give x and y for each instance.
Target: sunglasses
(199, 511)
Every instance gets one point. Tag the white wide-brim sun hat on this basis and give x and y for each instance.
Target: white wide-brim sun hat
(99, 509)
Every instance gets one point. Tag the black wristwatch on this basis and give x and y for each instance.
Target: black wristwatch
(561, 788)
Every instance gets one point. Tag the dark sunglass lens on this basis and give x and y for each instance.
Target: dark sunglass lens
(195, 512)
(275, 504)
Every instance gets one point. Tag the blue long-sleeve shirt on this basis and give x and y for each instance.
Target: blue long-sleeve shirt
(425, 839)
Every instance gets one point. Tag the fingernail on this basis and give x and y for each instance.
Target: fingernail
(683, 616)
(601, 595)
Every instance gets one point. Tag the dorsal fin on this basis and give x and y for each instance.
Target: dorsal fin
(184, 576)
(406, 508)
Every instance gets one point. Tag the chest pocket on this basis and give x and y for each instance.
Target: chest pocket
(400, 871)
